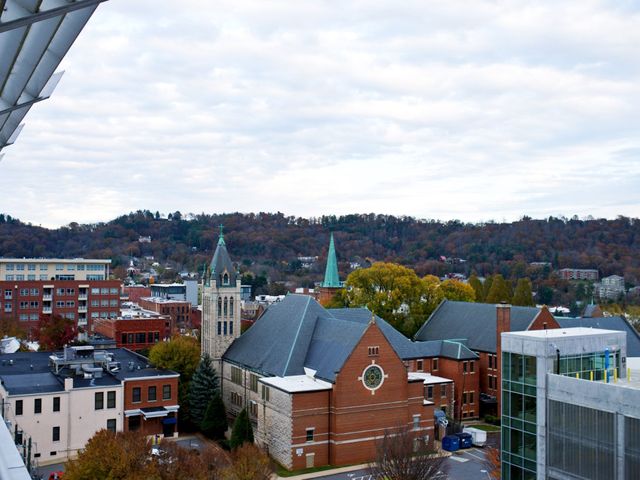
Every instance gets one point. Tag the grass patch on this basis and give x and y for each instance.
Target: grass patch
(283, 472)
(486, 428)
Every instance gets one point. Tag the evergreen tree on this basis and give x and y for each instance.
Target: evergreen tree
(242, 430)
(203, 386)
(522, 295)
(214, 424)
(499, 290)
(476, 284)
(486, 287)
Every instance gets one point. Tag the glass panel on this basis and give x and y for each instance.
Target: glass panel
(530, 446)
(530, 370)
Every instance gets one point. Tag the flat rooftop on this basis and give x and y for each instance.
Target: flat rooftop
(162, 300)
(297, 383)
(561, 333)
(53, 260)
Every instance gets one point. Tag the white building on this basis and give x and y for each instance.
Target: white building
(569, 409)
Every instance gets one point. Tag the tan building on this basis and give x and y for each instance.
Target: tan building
(60, 400)
(45, 269)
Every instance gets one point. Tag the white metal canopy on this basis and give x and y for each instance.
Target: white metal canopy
(34, 37)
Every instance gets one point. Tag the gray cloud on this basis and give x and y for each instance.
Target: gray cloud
(443, 109)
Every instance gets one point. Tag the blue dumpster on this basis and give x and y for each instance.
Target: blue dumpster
(465, 440)
(450, 443)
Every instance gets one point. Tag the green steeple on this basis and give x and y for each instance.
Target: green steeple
(221, 237)
(331, 278)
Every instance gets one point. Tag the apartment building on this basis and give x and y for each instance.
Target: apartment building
(61, 399)
(77, 289)
(589, 274)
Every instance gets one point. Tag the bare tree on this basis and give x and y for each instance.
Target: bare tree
(402, 455)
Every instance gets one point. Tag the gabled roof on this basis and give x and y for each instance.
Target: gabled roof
(473, 323)
(592, 310)
(298, 332)
(221, 262)
(619, 324)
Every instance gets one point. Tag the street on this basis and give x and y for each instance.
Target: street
(465, 464)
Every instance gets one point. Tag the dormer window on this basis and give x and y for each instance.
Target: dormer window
(225, 279)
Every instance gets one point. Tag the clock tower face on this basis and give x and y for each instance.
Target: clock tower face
(373, 377)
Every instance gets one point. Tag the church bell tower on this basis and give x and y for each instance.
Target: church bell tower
(220, 304)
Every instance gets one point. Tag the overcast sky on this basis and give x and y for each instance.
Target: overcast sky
(438, 109)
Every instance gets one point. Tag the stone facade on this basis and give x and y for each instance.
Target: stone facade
(338, 424)
(215, 341)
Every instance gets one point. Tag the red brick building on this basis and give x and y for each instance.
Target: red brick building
(23, 302)
(178, 311)
(133, 293)
(479, 326)
(322, 385)
(151, 403)
(135, 333)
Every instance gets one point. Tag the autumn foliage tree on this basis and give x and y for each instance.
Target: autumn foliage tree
(54, 332)
(248, 463)
(124, 455)
(399, 296)
(127, 455)
(180, 354)
(401, 455)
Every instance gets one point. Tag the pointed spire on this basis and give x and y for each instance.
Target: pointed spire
(221, 237)
(331, 277)
(373, 319)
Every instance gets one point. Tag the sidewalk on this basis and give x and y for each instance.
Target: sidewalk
(323, 473)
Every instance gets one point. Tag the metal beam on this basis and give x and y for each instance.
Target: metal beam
(47, 14)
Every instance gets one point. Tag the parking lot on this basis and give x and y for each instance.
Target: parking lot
(465, 464)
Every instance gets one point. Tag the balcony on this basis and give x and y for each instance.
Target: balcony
(82, 321)
(47, 297)
(47, 309)
(82, 309)
(82, 296)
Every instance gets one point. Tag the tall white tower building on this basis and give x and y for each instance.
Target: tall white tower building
(220, 304)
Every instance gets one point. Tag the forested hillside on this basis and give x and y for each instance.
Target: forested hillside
(272, 243)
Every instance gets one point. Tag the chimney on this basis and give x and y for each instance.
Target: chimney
(503, 324)
(503, 319)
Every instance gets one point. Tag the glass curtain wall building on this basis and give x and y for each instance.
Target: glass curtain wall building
(569, 409)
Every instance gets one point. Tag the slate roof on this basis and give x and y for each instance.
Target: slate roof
(474, 324)
(619, 324)
(298, 332)
(221, 262)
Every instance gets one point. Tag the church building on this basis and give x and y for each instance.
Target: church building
(321, 386)
(220, 304)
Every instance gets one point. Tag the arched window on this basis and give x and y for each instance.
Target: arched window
(219, 306)
(231, 307)
(225, 306)
(225, 279)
